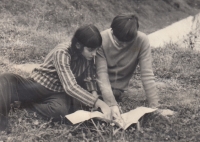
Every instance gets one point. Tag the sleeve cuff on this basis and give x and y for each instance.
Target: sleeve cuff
(95, 101)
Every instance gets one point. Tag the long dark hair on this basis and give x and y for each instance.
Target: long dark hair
(87, 35)
(125, 27)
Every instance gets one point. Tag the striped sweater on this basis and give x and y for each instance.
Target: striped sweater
(59, 71)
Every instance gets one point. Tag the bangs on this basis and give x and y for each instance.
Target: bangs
(90, 37)
(126, 34)
(94, 41)
(125, 27)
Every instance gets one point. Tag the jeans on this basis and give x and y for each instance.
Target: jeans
(49, 103)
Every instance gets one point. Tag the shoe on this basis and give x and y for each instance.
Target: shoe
(3, 122)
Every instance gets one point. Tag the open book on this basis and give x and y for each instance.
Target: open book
(128, 118)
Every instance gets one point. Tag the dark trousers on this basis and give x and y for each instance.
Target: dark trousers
(49, 103)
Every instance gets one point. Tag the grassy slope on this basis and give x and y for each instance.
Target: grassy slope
(29, 29)
(178, 69)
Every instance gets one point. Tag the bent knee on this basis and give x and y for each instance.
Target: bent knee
(9, 77)
(58, 110)
(52, 109)
(55, 106)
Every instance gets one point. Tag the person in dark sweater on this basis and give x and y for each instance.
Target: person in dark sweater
(65, 77)
(123, 48)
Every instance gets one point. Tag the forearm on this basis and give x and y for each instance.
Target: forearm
(150, 88)
(62, 64)
(103, 79)
(147, 76)
(106, 90)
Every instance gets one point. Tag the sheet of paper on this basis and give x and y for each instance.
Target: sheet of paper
(81, 115)
(128, 118)
(133, 116)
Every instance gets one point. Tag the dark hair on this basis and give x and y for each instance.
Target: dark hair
(87, 35)
(125, 27)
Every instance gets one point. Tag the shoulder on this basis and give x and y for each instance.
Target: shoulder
(105, 33)
(63, 49)
(142, 40)
(106, 37)
(63, 46)
(142, 36)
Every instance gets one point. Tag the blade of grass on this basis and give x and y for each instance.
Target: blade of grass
(98, 130)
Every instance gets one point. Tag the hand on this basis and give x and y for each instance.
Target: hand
(115, 112)
(153, 105)
(104, 108)
(165, 112)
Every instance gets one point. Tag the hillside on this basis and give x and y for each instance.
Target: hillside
(30, 28)
(59, 15)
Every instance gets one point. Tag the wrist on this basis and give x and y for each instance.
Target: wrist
(154, 106)
(114, 105)
(98, 103)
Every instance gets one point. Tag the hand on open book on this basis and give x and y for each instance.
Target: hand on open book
(115, 112)
(164, 112)
(124, 122)
(104, 108)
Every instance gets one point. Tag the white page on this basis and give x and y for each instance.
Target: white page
(128, 118)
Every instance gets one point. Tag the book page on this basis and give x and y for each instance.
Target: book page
(128, 118)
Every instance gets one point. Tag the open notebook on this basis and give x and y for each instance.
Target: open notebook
(128, 118)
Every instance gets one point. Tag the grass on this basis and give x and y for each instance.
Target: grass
(177, 68)
(30, 29)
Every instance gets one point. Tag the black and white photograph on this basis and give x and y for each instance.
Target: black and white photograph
(99, 70)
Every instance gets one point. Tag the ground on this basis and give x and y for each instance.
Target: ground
(29, 29)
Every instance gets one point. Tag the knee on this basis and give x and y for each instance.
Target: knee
(55, 106)
(58, 110)
(7, 80)
(8, 77)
